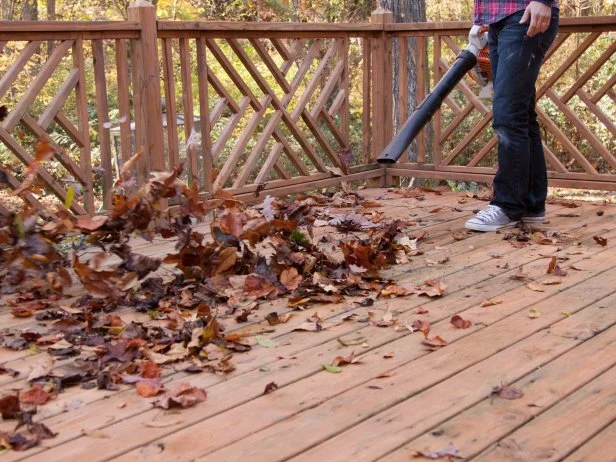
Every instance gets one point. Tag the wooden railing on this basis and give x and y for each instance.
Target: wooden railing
(262, 108)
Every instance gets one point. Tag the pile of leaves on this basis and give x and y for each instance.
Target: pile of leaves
(252, 255)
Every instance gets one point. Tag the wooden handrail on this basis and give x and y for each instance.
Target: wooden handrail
(68, 26)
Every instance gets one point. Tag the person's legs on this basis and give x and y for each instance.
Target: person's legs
(520, 183)
(538, 177)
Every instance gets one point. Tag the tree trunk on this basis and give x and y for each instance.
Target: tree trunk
(51, 16)
(406, 11)
(29, 10)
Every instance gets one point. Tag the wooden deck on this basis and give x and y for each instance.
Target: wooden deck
(401, 397)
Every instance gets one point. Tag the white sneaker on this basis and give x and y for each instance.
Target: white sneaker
(491, 219)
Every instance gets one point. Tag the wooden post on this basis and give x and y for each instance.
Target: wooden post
(146, 89)
(382, 82)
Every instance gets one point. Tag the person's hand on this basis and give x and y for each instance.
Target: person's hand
(540, 17)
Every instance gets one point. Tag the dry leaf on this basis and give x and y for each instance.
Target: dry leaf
(602, 241)
(290, 278)
(535, 287)
(519, 275)
(435, 342)
(459, 322)
(270, 387)
(491, 302)
(344, 360)
(184, 395)
(534, 313)
(507, 392)
(450, 453)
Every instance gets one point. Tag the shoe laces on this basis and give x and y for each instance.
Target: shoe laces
(492, 212)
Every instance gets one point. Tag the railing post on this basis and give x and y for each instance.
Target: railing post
(146, 89)
(382, 81)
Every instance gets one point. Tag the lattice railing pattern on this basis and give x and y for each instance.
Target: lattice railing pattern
(269, 108)
(53, 88)
(575, 106)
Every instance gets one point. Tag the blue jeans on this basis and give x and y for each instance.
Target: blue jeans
(520, 184)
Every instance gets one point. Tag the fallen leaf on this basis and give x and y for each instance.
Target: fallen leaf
(459, 322)
(35, 395)
(163, 423)
(535, 287)
(491, 302)
(567, 313)
(184, 395)
(421, 326)
(344, 360)
(435, 342)
(507, 392)
(421, 310)
(352, 341)
(602, 241)
(270, 387)
(519, 275)
(149, 388)
(450, 452)
(290, 278)
(266, 342)
(388, 355)
(534, 313)
(332, 369)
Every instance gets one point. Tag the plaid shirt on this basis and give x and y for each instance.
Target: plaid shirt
(491, 11)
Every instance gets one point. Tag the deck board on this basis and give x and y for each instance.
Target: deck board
(353, 414)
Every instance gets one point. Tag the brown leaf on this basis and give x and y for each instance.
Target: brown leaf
(507, 392)
(35, 395)
(519, 275)
(22, 312)
(535, 287)
(552, 265)
(290, 278)
(149, 388)
(9, 407)
(421, 310)
(421, 326)
(184, 395)
(344, 360)
(270, 387)
(370, 204)
(491, 302)
(459, 322)
(274, 318)
(149, 370)
(435, 342)
(458, 235)
(602, 241)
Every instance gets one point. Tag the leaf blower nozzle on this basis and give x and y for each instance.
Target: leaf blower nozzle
(465, 61)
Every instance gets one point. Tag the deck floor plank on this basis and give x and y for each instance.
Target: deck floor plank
(601, 447)
(563, 428)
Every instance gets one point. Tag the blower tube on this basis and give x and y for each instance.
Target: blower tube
(464, 62)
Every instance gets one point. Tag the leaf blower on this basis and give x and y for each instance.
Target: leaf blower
(473, 57)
